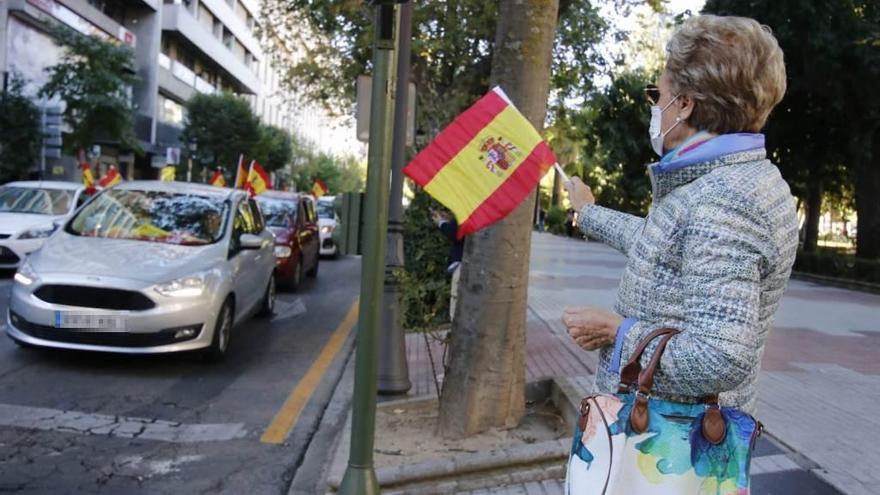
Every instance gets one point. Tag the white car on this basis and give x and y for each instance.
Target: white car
(328, 221)
(28, 213)
(147, 267)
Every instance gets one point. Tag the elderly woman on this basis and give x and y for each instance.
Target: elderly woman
(713, 256)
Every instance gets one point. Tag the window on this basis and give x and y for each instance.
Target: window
(170, 112)
(15, 199)
(278, 212)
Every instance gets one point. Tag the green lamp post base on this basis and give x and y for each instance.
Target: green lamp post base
(359, 480)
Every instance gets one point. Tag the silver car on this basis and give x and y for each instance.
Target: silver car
(147, 267)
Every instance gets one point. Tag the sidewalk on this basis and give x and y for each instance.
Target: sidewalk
(820, 383)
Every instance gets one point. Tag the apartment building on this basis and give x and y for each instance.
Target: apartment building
(182, 47)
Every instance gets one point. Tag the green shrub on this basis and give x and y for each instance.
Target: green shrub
(555, 220)
(833, 263)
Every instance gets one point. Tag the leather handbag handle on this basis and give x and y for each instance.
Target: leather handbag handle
(630, 374)
(638, 418)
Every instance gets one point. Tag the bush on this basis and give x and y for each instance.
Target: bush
(833, 263)
(555, 220)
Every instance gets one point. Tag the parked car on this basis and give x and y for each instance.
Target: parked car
(291, 217)
(29, 212)
(328, 220)
(147, 267)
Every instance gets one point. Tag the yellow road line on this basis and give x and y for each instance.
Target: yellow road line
(287, 416)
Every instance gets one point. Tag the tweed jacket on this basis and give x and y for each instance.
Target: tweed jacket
(712, 258)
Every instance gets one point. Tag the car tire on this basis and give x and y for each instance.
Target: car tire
(222, 331)
(267, 307)
(314, 271)
(297, 276)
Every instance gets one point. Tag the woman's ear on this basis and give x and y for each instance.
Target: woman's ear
(685, 107)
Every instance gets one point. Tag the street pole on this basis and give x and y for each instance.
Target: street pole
(360, 476)
(393, 371)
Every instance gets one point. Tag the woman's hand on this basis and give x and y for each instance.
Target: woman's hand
(591, 328)
(579, 194)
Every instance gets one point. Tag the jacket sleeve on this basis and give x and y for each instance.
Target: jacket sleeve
(611, 227)
(721, 272)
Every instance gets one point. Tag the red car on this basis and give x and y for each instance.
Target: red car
(292, 218)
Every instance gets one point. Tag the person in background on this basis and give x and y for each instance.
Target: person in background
(449, 227)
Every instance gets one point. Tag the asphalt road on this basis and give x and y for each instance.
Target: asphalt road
(73, 422)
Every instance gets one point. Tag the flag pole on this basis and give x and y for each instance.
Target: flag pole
(238, 171)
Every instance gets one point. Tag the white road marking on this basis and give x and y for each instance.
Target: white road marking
(289, 309)
(148, 468)
(772, 464)
(40, 418)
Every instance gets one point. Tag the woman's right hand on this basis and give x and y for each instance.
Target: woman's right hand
(579, 194)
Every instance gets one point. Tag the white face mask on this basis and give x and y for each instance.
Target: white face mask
(655, 131)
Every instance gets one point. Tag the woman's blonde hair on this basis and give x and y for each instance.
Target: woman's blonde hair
(732, 67)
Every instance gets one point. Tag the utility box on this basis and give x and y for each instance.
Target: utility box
(350, 222)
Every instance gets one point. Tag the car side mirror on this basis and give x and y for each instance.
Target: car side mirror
(250, 241)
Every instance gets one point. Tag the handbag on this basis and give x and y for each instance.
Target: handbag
(630, 443)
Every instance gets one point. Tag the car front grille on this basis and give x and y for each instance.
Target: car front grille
(93, 337)
(94, 297)
(7, 257)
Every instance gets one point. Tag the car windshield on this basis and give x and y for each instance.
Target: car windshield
(15, 199)
(277, 212)
(325, 209)
(155, 216)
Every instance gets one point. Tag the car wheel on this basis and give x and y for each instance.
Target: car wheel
(297, 276)
(268, 306)
(314, 271)
(222, 331)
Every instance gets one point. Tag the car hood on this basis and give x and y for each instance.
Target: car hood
(326, 221)
(152, 262)
(13, 223)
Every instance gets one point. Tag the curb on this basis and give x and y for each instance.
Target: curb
(842, 283)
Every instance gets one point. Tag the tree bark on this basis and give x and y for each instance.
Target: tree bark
(484, 385)
(813, 212)
(867, 185)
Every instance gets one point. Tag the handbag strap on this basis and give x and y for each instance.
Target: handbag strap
(633, 368)
(638, 418)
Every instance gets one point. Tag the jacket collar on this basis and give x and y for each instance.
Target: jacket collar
(721, 151)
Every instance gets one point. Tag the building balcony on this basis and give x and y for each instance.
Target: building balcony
(177, 19)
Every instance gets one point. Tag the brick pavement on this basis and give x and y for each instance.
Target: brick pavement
(819, 388)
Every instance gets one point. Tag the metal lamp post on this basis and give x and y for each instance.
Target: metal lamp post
(360, 475)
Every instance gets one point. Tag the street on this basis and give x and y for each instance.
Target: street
(73, 422)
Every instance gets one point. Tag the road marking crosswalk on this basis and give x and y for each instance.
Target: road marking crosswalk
(287, 416)
(40, 418)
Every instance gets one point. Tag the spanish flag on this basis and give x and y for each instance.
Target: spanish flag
(484, 164)
(241, 173)
(319, 189)
(218, 179)
(257, 179)
(111, 179)
(87, 177)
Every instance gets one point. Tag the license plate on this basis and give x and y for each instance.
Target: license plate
(83, 321)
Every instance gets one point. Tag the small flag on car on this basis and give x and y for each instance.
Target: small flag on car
(87, 177)
(168, 173)
(111, 178)
(319, 189)
(241, 173)
(257, 179)
(218, 179)
(484, 164)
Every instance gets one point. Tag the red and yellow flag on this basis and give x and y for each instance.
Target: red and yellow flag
(87, 177)
(257, 179)
(241, 173)
(218, 179)
(484, 163)
(319, 189)
(111, 178)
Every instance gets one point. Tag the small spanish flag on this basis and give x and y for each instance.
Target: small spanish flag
(319, 189)
(484, 164)
(241, 173)
(111, 179)
(257, 179)
(87, 177)
(168, 174)
(218, 179)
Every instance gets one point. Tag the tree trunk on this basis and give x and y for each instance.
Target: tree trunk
(484, 386)
(867, 184)
(813, 212)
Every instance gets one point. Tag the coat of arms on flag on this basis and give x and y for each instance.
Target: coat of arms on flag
(484, 164)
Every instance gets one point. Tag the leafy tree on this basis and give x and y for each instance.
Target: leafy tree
(223, 127)
(94, 79)
(830, 115)
(19, 132)
(275, 148)
(613, 128)
(339, 174)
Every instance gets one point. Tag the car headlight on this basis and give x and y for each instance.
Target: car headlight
(282, 252)
(191, 286)
(37, 233)
(25, 274)
(327, 229)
